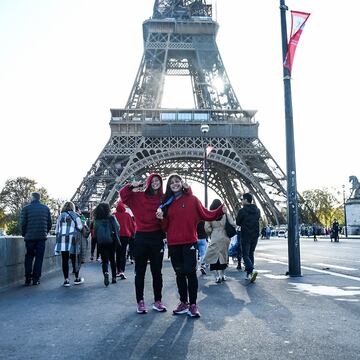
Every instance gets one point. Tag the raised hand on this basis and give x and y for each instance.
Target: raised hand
(185, 185)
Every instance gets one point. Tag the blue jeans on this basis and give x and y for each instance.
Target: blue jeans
(34, 249)
(248, 249)
(201, 244)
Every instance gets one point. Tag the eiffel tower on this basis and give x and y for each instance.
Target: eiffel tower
(180, 40)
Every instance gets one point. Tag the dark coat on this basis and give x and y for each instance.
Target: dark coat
(248, 218)
(35, 221)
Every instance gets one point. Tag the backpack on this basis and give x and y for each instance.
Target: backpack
(103, 232)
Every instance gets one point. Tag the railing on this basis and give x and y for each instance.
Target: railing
(183, 115)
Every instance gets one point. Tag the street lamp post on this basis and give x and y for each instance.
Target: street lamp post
(292, 201)
(205, 129)
(345, 222)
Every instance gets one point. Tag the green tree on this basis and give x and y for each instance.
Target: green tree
(2, 219)
(321, 205)
(15, 195)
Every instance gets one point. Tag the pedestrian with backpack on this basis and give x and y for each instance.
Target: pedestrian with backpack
(106, 232)
(149, 237)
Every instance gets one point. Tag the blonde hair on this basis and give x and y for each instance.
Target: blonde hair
(68, 206)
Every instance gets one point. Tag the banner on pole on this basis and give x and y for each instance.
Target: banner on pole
(298, 20)
(209, 149)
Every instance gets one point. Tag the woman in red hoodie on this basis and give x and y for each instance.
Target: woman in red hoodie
(149, 237)
(180, 213)
(127, 230)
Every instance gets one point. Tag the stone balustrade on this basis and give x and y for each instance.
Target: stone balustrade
(12, 256)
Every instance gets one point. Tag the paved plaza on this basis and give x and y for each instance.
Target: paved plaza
(316, 316)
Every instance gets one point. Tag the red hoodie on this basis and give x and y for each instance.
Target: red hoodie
(143, 206)
(127, 225)
(182, 218)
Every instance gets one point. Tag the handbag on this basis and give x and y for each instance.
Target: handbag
(80, 235)
(230, 230)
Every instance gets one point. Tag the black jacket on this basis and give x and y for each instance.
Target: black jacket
(248, 218)
(35, 221)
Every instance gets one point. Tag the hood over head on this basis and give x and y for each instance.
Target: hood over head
(148, 183)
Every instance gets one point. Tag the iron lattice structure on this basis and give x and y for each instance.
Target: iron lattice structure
(180, 39)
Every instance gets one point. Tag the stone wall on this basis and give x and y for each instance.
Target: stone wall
(12, 255)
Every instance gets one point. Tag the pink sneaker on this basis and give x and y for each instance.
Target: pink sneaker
(141, 309)
(193, 311)
(182, 308)
(159, 306)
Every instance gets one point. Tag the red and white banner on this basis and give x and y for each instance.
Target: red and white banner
(209, 149)
(298, 20)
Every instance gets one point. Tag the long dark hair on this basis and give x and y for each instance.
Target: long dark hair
(102, 211)
(168, 192)
(214, 205)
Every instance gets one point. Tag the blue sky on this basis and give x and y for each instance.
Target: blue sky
(65, 63)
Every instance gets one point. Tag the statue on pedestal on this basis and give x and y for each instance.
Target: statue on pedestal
(355, 190)
(352, 207)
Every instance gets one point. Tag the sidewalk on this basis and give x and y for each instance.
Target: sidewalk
(275, 318)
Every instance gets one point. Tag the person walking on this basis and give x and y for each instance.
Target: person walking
(106, 232)
(202, 239)
(248, 219)
(127, 230)
(149, 237)
(217, 251)
(263, 232)
(180, 213)
(35, 221)
(335, 230)
(68, 241)
(314, 232)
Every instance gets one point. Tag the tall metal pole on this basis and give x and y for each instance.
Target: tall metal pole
(205, 177)
(292, 201)
(205, 129)
(346, 233)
